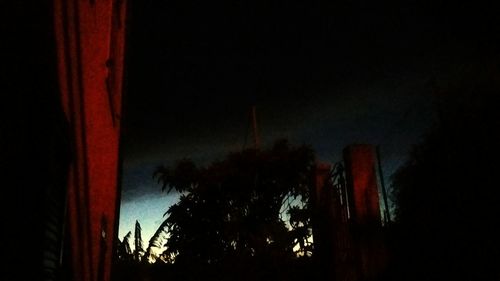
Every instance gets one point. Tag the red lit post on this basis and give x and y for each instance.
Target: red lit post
(362, 187)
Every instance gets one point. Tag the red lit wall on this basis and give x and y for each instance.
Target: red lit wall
(90, 38)
(362, 184)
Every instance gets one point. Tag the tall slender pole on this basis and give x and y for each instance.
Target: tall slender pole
(384, 193)
(255, 132)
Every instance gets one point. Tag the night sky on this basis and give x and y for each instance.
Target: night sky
(320, 73)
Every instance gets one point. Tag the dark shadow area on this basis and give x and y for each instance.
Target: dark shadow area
(34, 144)
(447, 226)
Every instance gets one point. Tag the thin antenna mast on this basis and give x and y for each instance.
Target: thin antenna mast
(255, 131)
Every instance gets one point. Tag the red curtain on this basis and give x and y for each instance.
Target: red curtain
(90, 38)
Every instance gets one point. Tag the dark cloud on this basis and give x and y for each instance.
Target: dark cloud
(321, 73)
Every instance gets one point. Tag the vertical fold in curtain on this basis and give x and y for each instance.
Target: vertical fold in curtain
(90, 37)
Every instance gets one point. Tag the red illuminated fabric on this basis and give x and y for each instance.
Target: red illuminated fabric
(90, 47)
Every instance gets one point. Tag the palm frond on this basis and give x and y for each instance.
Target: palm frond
(126, 242)
(157, 240)
(138, 239)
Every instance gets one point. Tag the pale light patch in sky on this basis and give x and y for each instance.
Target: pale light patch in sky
(148, 210)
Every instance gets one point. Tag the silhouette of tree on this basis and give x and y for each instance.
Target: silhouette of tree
(251, 207)
(138, 247)
(447, 227)
(124, 251)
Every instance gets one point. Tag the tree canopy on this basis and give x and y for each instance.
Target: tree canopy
(253, 205)
(448, 222)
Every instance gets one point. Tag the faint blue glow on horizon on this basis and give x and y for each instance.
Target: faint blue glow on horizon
(394, 117)
(148, 210)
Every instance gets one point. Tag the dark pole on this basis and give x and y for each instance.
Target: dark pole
(254, 125)
(384, 193)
